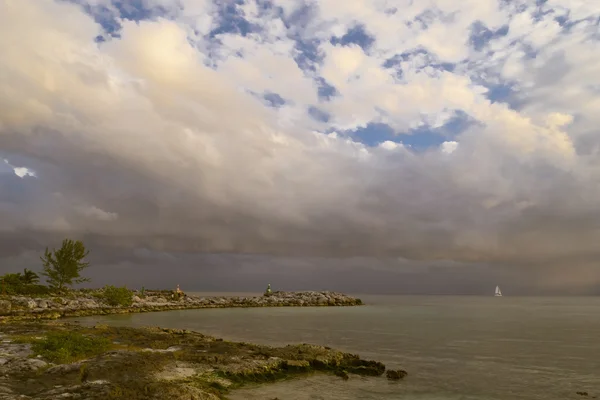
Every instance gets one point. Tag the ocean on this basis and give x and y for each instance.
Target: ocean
(453, 347)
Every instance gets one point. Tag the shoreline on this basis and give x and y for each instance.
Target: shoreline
(42, 359)
(88, 303)
(154, 363)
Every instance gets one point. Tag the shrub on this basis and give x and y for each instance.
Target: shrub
(34, 290)
(117, 296)
(22, 283)
(66, 347)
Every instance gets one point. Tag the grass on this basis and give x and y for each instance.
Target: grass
(65, 346)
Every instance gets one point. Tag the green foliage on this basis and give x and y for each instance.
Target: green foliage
(117, 296)
(13, 280)
(62, 267)
(33, 290)
(29, 277)
(66, 346)
(22, 283)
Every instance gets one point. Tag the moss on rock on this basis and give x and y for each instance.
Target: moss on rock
(155, 363)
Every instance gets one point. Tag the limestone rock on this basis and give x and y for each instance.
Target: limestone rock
(5, 306)
(395, 375)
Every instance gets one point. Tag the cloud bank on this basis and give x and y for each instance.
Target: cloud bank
(442, 131)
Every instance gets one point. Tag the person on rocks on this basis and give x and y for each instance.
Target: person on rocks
(178, 293)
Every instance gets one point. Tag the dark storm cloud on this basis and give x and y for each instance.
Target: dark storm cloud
(160, 163)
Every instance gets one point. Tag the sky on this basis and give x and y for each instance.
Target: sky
(384, 146)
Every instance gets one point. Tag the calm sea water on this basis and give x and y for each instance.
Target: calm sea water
(452, 347)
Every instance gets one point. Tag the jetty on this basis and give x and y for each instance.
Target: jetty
(80, 303)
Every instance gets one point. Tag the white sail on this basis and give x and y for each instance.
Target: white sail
(498, 291)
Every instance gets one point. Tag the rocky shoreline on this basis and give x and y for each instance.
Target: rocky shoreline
(150, 363)
(90, 302)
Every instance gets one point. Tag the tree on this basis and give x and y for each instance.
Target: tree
(29, 277)
(62, 267)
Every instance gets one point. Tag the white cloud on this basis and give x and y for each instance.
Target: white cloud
(449, 147)
(97, 213)
(389, 145)
(21, 172)
(140, 125)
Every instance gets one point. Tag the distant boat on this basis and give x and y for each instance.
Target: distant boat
(498, 292)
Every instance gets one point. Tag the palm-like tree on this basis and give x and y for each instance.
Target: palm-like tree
(29, 277)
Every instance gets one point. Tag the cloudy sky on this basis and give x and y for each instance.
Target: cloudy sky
(433, 146)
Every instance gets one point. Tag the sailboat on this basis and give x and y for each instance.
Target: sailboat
(498, 292)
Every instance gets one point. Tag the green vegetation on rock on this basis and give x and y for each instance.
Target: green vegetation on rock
(67, 346)
(25, 283)
(156, 363)
(117, 296)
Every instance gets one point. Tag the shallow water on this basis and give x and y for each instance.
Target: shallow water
(453, 347)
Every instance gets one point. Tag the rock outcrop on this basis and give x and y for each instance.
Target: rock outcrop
(395, 375)
(157, 363)
(85, 303)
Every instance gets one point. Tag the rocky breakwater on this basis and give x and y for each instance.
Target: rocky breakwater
(92, 302)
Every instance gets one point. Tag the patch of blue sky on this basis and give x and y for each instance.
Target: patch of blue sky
(355, 35)
(426, 59)
(232, 20)
(268, 98)
(481, 35)
(274, 100)
(5, 167)
(373, 134)
(563, 20)
(318, 114)
(18, 165)
(103, 16)
(541, 11)
(503, 93)
(419, 139)
(567, 24)
(498, 89)
(425, 19)
(268, 7)
(300, 18)
(134, 10)
(307, 55)
(325, 90)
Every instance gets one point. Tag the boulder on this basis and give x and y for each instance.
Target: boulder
(395, 375)
(20, 365)
(73, 304)
(42, 303)
(64, 369)
(342, 374)
(88, 303)
(5, 306)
